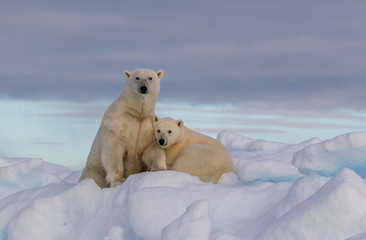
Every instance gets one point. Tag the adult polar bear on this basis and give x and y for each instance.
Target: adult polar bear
(181, 149)
(126, 130)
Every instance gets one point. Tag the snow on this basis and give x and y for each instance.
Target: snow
(19, 174)
(311, 190)
(260, 160)
(193, 224)
(337, 210)
(329, 157)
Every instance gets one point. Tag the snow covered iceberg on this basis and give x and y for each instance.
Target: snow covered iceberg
(267, 198)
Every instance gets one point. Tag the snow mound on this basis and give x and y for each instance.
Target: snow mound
(193, 224)
(302, 189)
(271, 165)
(24, 173)
(328, 157)
(234, 141)
(266, 198)
(336, 211)
(141, 208)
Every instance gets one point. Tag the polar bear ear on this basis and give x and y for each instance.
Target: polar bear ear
(127, 74)
(160, 74)
(180, 123)
(156, 118)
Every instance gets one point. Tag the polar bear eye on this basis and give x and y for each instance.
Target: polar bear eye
(158, 131)
(169, 131)
(150, 78)
(137, 78)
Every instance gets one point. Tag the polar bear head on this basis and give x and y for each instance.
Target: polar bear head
(168, 131)
(144, 81)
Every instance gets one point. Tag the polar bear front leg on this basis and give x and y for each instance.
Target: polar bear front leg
(112, 160)
(159, 163)
(112, 150)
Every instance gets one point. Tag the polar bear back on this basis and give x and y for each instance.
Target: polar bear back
(199, 155)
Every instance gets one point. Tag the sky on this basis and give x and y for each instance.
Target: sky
(276, 70)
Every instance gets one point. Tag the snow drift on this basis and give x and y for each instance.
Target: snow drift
(311, 190)
(329, 157)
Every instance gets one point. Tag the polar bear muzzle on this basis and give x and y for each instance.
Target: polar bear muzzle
(143, 87)
(161, 142)
(143, 90)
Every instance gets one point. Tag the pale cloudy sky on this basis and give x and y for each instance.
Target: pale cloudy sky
(277, 70)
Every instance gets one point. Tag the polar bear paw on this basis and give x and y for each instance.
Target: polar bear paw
(115, 180)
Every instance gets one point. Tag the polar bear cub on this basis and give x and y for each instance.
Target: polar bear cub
(187, 151)
(126, 130)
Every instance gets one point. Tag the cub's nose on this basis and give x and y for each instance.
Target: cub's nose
(143, 89)
(161, 142)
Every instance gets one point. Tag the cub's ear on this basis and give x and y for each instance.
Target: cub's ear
(160, 74)
(156, 118)
(127, 74)
(180, 123)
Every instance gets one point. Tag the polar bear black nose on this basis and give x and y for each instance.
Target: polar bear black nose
(161, 142)
(143, 89)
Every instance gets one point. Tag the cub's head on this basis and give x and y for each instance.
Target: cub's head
(144, 81)
(168, 131)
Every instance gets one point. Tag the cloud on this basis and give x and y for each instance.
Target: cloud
(308, 56)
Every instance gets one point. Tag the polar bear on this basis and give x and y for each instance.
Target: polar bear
(181, 149)
(126, 130)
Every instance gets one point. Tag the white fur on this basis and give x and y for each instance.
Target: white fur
(126, 130)
(184, 150)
